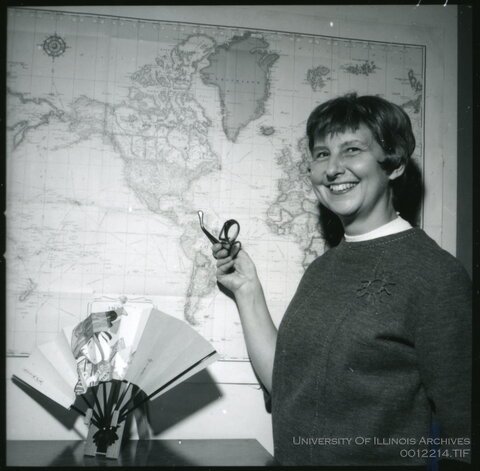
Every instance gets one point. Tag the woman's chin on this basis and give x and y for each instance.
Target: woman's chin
(344, 211)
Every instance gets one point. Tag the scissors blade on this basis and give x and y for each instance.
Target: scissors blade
(212, 239)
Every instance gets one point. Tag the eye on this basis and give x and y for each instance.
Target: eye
(320, 155)
(352, 150)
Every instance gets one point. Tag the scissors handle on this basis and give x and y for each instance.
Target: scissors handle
(227, 237)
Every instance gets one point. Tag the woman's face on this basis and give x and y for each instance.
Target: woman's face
(348, 179)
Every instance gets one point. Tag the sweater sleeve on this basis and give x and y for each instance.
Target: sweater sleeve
(443, 343)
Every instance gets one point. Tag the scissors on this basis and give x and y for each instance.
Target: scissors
(227, 237)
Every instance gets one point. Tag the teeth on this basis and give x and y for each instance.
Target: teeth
(342, 186)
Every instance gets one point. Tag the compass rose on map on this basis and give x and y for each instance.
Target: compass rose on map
(54, 46)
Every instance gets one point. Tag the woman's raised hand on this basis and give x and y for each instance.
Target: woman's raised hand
(239, 275)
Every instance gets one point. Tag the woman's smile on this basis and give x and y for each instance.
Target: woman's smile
(341, 188)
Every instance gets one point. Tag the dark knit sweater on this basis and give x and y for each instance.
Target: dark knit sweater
(376, 338)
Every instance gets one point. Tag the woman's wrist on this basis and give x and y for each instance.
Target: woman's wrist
(250, 297)
(249, 288)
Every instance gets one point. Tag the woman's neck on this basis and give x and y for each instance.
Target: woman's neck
(358, 226)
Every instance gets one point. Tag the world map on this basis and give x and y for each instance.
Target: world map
(119, 130)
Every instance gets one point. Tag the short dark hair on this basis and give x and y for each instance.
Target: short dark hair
(388, 122)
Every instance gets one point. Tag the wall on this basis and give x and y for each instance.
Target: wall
(465, 141)
(203, 408)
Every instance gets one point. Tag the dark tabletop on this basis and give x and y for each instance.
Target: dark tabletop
(237, 452)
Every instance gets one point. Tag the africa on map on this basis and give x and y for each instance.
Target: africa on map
(119, 130)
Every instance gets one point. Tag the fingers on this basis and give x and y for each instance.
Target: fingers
(219, 252)
(221, 262)
(224, 267)
(234, 250)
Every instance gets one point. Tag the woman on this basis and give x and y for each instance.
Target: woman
(372, 358)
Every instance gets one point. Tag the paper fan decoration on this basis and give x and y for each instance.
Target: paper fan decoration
(111, 363)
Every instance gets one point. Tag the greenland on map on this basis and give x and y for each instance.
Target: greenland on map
(119, 130)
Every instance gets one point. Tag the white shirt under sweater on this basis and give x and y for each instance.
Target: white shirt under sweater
(397, 225)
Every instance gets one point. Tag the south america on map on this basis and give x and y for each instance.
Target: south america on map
(119, 130)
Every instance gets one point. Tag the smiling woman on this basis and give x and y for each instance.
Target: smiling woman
(359, 146)
(348, 179)
(376, 342)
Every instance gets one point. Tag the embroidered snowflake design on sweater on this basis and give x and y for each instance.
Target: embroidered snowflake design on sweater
(376, 289)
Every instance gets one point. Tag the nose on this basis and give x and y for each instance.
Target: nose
(334, 167)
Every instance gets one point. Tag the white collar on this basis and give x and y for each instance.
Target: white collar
(397, 225)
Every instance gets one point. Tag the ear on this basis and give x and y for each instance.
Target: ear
(398, 172)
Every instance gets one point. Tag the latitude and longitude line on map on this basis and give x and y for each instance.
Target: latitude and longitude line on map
(142, 137)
